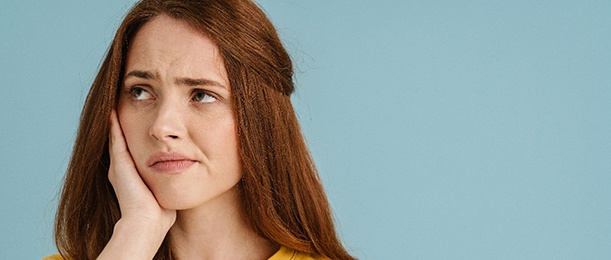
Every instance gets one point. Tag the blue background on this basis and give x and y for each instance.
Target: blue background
(442, 129)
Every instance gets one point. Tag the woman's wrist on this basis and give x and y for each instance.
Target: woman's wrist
(133, 239)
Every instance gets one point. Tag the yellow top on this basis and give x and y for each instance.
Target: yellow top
(284, 253)
(53, 257)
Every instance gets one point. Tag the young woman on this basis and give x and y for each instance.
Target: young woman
(189, 148)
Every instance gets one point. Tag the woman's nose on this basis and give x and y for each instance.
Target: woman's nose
(168, 124)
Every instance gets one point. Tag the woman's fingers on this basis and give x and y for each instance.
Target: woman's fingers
(122, 173)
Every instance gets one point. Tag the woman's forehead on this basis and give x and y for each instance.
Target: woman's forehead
(166, 46)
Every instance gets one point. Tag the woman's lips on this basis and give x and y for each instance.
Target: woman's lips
(172, 166)
(171, 162)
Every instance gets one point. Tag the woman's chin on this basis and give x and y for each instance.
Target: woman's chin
(174, 201)
(182, 199)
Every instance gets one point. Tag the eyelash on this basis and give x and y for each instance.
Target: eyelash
(132, 92)
(206, 93)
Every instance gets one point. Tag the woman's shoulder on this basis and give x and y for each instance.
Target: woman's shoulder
(286, 253)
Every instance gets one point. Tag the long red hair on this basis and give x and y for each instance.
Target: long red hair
(282, 194)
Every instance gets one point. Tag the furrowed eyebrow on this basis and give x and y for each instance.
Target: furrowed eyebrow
(141, 74)
(191, 82)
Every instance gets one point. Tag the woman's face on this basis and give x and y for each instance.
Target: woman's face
(176, 115)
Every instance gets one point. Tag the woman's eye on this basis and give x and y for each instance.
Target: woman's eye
(140, 94)
(203, 97)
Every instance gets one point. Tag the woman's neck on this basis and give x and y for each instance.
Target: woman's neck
(218, 230)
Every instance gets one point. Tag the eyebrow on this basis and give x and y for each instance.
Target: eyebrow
(191, 82)
(141, 74)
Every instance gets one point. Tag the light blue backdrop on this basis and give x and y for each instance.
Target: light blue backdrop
(442, 129)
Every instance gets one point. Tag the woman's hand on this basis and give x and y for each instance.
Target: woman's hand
(143, 224)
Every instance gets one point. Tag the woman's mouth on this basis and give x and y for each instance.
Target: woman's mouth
(172, 162)
(172, 166)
